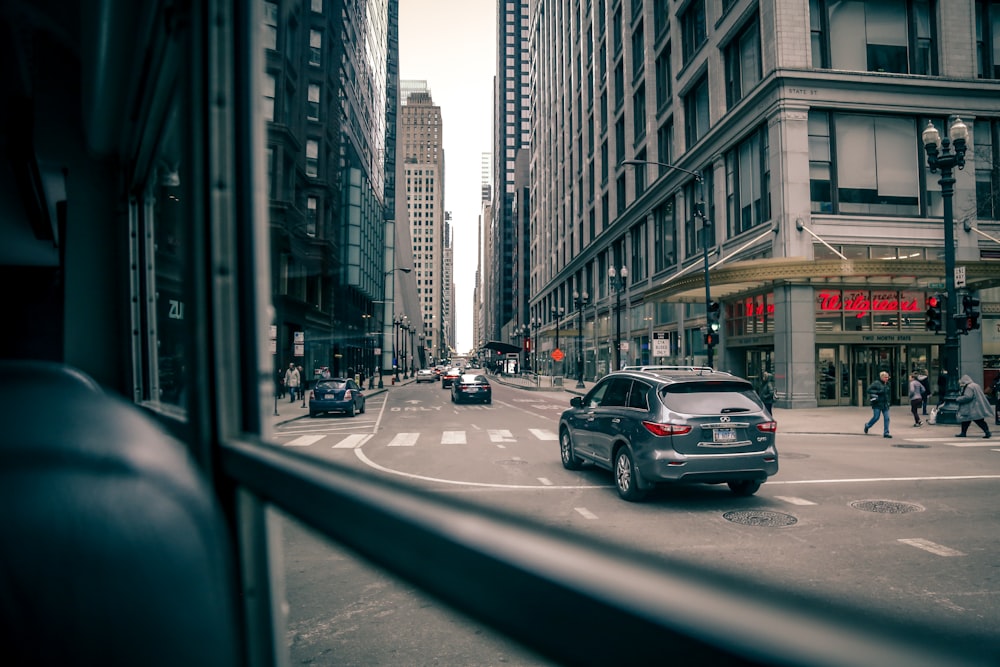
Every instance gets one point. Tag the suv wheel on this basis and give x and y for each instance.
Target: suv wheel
(744, 487)
(627, 476)
(569, 459)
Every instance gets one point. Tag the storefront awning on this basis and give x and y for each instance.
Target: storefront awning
(503, 348)
(758, 274)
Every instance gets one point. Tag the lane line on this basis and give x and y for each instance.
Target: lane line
(932, 547)
(352, 441)
(304, 440)
(545, 481)
(847, 480)
(585, 513)
(404, 440)
(500, 435)
(543, 434)
(795, 501)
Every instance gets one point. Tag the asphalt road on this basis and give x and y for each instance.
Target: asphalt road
(907, 526)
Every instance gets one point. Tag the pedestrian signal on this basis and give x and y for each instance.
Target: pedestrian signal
(933, 322)
(970, 306)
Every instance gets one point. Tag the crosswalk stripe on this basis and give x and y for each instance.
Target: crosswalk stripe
(453, 438)
(500, 435)
(932, 547)
(353, 441)
(795, 501)
(404, 440)
(543, 434)
(304, 440)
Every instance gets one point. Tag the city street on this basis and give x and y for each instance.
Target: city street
(906, 526)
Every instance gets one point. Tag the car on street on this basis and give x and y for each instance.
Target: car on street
(671, 424)
(471, 387)
(449, 377)
(426, 375)
(336, 395)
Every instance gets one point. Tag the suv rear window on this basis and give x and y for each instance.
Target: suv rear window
(331, 385)
(712, 397)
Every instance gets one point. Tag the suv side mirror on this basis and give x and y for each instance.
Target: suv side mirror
(576, 401)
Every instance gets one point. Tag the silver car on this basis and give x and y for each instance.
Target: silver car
(671, 424)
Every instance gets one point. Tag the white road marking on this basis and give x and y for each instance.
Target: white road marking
(585, 513)
(932, 547)
(543, 434)
(353, 440)
(304, 440)
(795, 501)
(545, 481)
(453, 438)
(848, 480)
(500, 435)
(404, 440)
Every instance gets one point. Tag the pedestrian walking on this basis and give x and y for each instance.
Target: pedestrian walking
(917, 395)
(925, 381)
(292, 380)
(878, 398)
(766, 391)
(996, 400)
(302, 384)
(973, 406)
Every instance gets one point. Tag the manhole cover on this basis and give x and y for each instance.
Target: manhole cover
(905, 446)
(512, 462)
(886, 506)
(760, 518)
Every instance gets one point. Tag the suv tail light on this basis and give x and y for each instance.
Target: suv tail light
(666, 429)
(768, 427)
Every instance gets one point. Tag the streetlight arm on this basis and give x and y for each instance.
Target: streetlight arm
(638, 163)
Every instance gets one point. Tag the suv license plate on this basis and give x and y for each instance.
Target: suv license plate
(724, 435)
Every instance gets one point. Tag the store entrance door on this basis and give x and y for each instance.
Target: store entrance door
(867, 363)
(833, 378)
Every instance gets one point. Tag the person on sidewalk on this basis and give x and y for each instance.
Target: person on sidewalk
(925, 382)
(916, 394)
(973, 406)
(292, 379)
(878, 398)
(996, 400)
(766, 391)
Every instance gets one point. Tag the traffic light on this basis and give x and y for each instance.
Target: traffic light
(970, 305)
(933, 322)
(711, 339)
(713, 318)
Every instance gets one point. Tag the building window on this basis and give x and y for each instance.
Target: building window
(312, 158)
(986, 135)
(270, 85)
(312, 106)
(988, 38)
(315, 47)
(873, 164)
(693, 29)
(620, 139)
(743, 66)
(661, 16)
(664, 236)
(888, 36)
(696, 118)
(638, 51)
(312, 214)
(748, 183)
(619, 85)
(639, 114)
(637, 244)
(663, 83)
(639, 174)
(269, 31)
(665, 141)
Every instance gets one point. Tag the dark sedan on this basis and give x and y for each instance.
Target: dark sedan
(336, 395)
(471, 387)
(449, 377)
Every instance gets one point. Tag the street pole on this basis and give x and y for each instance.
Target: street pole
(710, 347)
(581, 301)
(557, 312)
(944, 155)
(618, 282)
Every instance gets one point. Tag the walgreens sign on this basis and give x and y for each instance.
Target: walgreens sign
(866, 302)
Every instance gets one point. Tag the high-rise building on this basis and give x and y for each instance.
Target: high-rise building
(765, 156)
(423, 165)
(330, 142)
(510, 135)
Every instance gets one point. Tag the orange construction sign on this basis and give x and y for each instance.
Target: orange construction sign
(557, 355)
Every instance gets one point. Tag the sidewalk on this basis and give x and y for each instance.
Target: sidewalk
(283, 411)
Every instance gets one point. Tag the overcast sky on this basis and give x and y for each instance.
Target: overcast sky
(451, 45)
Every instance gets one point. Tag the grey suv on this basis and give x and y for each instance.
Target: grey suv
(681, 424)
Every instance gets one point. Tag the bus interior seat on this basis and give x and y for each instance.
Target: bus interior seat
(115, 550)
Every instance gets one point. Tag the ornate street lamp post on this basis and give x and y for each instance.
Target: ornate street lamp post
(943, 155)
(619, 281)
(556, 313)
(711, 307)
(581, 301)
(396, 322)
(535, 325)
